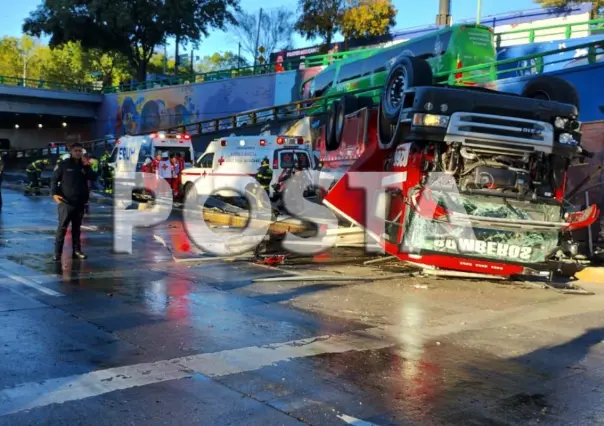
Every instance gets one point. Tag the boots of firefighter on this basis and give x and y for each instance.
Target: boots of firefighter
(76, 224)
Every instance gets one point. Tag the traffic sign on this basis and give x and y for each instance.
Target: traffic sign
(261, 49)
(261, 59)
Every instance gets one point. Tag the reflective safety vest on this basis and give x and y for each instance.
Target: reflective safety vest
(37, 166)
(264, 176)
(94, 165)
(165, 169)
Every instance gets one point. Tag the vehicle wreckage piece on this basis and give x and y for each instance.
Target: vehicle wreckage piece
(476, 178)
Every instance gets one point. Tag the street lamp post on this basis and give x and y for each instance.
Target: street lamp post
(478, 11)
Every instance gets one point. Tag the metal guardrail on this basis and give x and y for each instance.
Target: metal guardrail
(317, 106)
(203, 77)
(51, 85)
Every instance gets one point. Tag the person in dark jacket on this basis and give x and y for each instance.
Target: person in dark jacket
(69, 188)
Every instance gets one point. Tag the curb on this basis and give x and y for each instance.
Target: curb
(591, 274)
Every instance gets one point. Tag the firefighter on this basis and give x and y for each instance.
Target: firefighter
(106, 173)
(62, 157)
(264, 176)
(34, 173)
(94, 166)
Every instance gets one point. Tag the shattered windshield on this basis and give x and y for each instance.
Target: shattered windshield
(518, 246)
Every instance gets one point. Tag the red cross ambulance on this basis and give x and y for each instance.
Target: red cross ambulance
(232, 162)
(130, 152)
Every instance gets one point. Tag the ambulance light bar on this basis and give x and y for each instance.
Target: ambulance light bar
(291, 141)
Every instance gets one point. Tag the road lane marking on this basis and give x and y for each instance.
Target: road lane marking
(217, 364)
(34, 285)
(354, 421)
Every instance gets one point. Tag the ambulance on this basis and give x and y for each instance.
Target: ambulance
(232, 162)
(130, 152)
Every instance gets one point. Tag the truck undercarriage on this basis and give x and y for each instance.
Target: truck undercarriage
(474, 179)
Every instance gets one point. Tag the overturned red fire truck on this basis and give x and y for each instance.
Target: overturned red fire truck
(475, 178)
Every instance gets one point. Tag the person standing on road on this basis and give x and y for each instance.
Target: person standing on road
(264, 176)
(69, 188)
(34, 173)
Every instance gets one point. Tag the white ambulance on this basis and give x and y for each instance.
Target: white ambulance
(232, 162)
(130, 152)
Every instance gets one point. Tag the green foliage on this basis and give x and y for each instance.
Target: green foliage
(68, 63)
(366, 18)
(596, 5)
(132, 28)
(319, 18)
(221, 61)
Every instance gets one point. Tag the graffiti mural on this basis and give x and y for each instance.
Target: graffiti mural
(146, 110)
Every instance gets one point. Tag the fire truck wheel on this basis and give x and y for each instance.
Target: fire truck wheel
(348, 104)
(550, 88)
(406, 72)
(330, 128)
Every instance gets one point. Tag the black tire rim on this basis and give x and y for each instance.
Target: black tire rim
(396, 91)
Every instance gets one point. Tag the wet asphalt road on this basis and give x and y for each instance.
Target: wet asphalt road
(141, 339)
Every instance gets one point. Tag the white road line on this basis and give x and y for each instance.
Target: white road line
(354, 421)
(56, 391)
(35, 285)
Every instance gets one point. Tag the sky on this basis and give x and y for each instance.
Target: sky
(12, 17)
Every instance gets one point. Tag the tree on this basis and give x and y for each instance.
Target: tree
(276, 28)
(319, 18)
(130, 27)
(367, 18)
(596, 5)
(221, 61)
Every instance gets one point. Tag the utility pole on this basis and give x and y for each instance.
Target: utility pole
(239, 56)
(444, 13)
(165, 59)
(257, 37)
(177, 59)
(192, 60)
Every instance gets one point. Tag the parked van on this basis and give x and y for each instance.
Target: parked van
(228, 160)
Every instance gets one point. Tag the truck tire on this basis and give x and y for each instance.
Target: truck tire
(330, 128)
(347, 105)
(550, 88)
(407, 72)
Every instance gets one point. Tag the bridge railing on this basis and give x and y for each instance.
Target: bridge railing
(530, 35)
(529, 64)
(203, 77)
(46, 84)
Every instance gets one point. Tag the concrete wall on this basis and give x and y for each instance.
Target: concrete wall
(33, 138)
(170, 106)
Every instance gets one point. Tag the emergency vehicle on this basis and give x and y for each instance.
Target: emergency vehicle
(227, 160)
(130, 152)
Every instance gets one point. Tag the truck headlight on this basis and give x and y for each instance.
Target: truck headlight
(430, 120)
